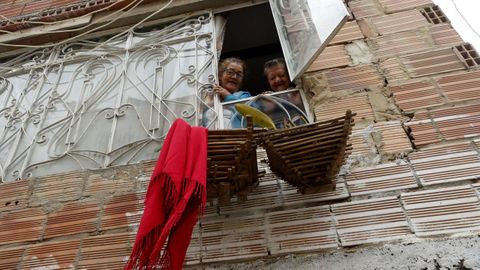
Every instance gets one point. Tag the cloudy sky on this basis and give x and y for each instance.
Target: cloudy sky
(467, 26)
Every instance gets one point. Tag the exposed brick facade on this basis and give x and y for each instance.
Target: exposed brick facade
(413, 172)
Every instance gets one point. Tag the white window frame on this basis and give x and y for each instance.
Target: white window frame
(313, 23)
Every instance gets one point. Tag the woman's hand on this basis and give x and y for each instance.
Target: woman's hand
(221, 91)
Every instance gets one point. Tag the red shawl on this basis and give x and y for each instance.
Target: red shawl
(176, 193)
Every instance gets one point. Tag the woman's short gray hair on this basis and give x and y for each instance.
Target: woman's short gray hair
(273, 63)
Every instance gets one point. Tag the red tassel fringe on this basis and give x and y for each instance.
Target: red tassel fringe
(143, 256)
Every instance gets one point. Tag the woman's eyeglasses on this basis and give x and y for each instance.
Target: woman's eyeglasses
(230, 72)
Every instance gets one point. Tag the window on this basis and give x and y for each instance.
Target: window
(110, 101)
(286, 109)
(94, 104)
(281, 28)
(305, 27)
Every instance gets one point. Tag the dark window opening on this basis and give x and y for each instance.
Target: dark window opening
(251, 35)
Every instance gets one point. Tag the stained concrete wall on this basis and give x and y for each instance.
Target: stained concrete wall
(432, 254)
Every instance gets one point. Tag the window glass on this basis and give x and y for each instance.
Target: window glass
(286, 109)
(305, 27)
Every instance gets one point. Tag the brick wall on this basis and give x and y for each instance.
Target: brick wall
(413, 173)
(19, 14)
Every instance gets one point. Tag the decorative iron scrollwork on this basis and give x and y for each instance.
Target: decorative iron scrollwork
(92, 103)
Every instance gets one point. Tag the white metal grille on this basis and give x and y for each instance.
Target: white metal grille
(94, 104)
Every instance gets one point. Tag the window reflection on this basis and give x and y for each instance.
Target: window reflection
(286, 108)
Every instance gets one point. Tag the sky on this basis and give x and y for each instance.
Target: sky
(470, 9)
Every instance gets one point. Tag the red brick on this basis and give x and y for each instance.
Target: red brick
(13, 195)
(117, 211)
(393, 70)
(10, 11)
(52, 255)
(423, 132)
(265, 196)
(20, 226)
(461, 87)
(291, 196)
(459, 128)
(367, 28)
(309, 228)
(434, 62)
(365, 8)
(421, 116)
(394, 138)
(443, 211)
(395, 6)
(10, 258)
(447, 124)
(147, 167)
(399, 44)
(416, 95)
(74, 218)
(350, 31)
(380, 178)
(370, 221)
(399, 22)
(361, 143)
(7, 3)
(444, 34)
(58, 187)
(357, 104)
(446, 164)
(35, 7)
(458, 122)
(354, 78)
(96, 254)
(331, 57)
(462, 111)
(110, 181)
(63, 3)
(421, 64)
(233, 238)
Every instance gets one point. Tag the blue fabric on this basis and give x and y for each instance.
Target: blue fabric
(237, 119)
(237, 95)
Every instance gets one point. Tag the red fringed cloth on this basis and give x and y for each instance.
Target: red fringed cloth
(175, 195)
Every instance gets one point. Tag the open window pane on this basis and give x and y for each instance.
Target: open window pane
(305, 27)
(285, 108)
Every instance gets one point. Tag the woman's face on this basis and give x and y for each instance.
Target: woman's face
(231, 77)
(277, 77)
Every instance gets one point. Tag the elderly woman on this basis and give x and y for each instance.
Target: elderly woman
(231, 72)
(277, 75)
